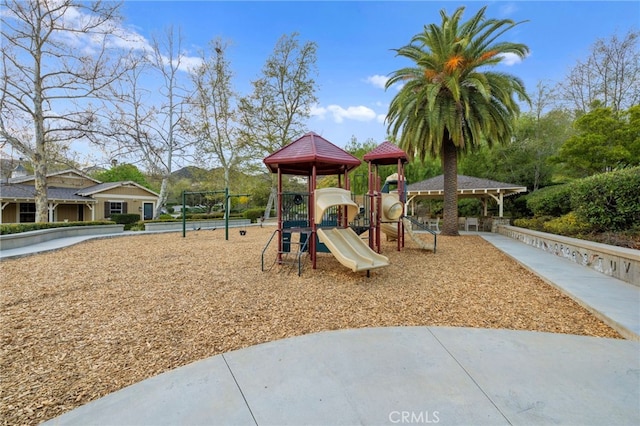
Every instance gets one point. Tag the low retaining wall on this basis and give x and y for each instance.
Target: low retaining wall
(619, 262)
(23, 239)
(191, 225)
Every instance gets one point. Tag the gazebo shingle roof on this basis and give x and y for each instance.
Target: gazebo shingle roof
(466, 185)
(299, 157)
(385, 154)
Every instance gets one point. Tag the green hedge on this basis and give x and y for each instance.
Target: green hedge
(16, 228)
(254, 214)
(125, 218)
(609, 201)
(550, 201)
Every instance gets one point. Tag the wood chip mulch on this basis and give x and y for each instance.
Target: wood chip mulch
(87, 320)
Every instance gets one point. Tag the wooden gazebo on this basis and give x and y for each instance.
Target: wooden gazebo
(468, 187)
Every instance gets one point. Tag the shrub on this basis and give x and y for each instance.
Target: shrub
(608, 201)
(200, 216)
(138, 226)
(16, 228)
(536, 223)
(164, 216)
(569, 225)
(254, 214)
(126, 219)
(550, 201)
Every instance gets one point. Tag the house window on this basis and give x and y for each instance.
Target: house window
(114, 207)
(27, 212)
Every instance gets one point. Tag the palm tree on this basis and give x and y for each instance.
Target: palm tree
(448, 103)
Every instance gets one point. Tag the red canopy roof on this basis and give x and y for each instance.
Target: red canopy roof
(299, 157)
(386, 153)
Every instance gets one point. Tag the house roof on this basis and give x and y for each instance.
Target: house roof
(19, 192)
(101, 187)
(467, 186)
(32, 177)
(25, 192)
(385, 154)
(301, 155)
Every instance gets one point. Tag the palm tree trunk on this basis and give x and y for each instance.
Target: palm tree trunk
(450, 208)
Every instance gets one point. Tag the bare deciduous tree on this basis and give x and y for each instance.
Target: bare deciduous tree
(214, 120)
(610, 76)
(56, 57)
(147, 123)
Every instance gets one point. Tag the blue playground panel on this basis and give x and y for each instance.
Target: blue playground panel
(304, 224)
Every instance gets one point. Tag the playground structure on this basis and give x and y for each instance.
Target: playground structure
(327, 219)
(387, 204)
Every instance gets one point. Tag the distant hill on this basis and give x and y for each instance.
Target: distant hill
(190, 172)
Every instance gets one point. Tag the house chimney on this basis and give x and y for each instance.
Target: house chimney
(19, 171)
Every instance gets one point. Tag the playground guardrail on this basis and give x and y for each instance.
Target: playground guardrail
(423, 227)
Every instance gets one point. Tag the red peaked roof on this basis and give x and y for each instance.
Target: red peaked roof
(299, 157)
(386, 153)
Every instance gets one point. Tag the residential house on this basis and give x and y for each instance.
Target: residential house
(74, 196)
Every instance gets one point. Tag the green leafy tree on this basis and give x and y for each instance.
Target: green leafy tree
(525, 159)
(605, 140)
(359, 175)
(276, 112)
(449, 103)
(123, 172)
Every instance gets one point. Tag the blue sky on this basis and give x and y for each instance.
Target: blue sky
(355, 42)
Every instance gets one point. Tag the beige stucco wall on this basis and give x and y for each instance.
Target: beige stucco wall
(133, 196)
(9, 213)
(618, 262)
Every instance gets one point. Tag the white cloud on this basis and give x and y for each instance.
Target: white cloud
(318, 111)
(381, 117)
(508, 9)
(377, 80)
(189, 63)
(339, 114)
(509, 59)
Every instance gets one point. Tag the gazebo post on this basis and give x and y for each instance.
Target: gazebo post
(378, 197)
(402, 198)
(279, 216)
(312, 217)
(372, 225)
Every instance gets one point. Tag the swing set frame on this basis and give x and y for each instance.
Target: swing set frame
(227, 209)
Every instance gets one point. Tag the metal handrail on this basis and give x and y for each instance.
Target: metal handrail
(302, 250)
(266, 247)
(423, 227)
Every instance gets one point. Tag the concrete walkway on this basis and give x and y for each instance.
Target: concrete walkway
(404, 375)
(614, 301)
(386, 376)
